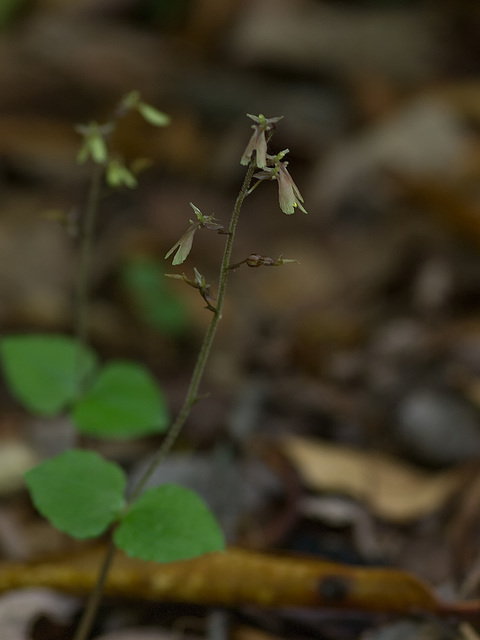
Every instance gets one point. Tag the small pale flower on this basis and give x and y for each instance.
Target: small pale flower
(184, 245)
(132, 102)
(289, 195)
(258, 140)
(118, 175)
(94, 141)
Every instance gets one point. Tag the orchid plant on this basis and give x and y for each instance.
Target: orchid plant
(53, 374)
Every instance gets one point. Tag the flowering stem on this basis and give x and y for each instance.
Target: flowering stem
(197, 375)
(87, 233)
(191, 398)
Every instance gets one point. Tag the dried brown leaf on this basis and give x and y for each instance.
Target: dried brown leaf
(237, 577)
(392, 489)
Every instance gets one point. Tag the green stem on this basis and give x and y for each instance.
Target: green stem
(191, 398)
(88, 618)
(86, 245)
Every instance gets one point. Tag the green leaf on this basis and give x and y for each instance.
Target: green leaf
(42, 371)
(168, 523)
(144, 281)
(78, 491)
(9, 10)
(153, 116)
(124, 402)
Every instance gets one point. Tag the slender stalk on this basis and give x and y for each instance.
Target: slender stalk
(197, 375)
(86, 623)
(87, 234)
(191, 398)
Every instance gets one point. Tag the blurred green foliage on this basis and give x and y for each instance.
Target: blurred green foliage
(143, 279)
(9, 10)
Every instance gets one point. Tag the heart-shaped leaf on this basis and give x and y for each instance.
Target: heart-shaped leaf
(44, 371)
(169, 523)
(78, 491)
(124, 402)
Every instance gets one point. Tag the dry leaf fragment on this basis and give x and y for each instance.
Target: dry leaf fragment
(393, 490)
(240, 577)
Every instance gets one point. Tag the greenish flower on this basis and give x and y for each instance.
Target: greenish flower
(258, 140)
(183, 247)
(289, 195)
(94, 145)
(118, 175)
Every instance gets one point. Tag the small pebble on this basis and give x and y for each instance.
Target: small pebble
(438, 428)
